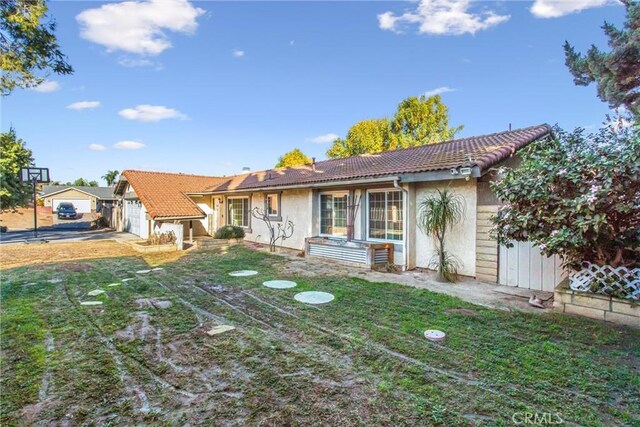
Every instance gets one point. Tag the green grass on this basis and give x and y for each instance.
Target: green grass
(360, 360)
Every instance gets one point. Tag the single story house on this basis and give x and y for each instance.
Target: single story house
(85, 199)
(362, 209)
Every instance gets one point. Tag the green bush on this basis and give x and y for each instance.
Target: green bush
(229, 232)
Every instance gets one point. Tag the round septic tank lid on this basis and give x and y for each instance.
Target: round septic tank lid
(279, 284)
(242, 273)
(314, 297)
(434, 335)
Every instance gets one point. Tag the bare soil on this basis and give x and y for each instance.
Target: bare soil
(20, 254)
(22, 218)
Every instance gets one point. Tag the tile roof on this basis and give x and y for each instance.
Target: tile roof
(164, 194)
(482, 151)
(102, 193)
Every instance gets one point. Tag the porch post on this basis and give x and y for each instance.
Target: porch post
(190, 231)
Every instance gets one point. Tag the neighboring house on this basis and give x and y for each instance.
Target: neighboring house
(85, 199)
(374, 197)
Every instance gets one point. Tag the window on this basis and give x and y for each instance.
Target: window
(272, 205)
(333, 214)
(238, 211)
(386, 215)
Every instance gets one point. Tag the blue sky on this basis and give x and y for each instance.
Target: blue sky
(210, 87)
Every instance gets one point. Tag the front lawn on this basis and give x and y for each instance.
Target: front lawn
(359, 360)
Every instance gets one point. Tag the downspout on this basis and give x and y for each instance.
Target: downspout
(405, 219)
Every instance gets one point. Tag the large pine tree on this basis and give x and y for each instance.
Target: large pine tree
(617, 73)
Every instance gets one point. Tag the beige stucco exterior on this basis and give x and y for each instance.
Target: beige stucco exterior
(70, 194)
(461, 240)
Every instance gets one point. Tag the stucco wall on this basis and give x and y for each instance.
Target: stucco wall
(297, 206)
(461, 240)
(70, 194)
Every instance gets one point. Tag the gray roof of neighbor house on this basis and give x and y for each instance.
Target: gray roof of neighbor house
(100, 193)
(481, 152)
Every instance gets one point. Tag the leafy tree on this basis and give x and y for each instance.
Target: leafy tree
(27, 45)
(111, 177)
(617, 73)
(422, 120)
(577, 196)
(417, 121)
(366, 136)
(294, 157)
(438, 213)
(15, 156)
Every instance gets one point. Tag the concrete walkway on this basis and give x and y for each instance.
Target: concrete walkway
(470, 290)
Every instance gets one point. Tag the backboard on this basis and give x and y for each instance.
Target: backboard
(40, 175)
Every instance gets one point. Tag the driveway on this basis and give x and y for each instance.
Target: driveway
(66, 234)
(81, 222)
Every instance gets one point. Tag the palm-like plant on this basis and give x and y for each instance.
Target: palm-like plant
(438, 213)
(110, 177)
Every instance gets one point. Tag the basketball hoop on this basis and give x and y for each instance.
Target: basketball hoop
(35, 176)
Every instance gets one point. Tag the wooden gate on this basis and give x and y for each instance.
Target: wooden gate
(524, 266)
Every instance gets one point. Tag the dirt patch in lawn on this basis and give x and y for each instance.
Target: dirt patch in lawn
(20, 254)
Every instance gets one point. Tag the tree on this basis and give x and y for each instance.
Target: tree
(15, 156)
(281, 231)
(111, 177)
(438, 213)
(417, 121)
(27, 45)
(420, 121)
(577, 196)
(617, 73)
(294, 157)
(366, 136)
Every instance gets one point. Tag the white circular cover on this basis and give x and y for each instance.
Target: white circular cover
(143, 271)
(242, 273)
(314, 297)
(95, 292)
(114, 284)
(279, 284)
(157, 269)
(91, 303)
(434, 335)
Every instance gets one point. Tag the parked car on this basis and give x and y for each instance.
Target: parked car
(66, 210)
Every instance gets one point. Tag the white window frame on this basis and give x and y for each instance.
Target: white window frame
(248, 226)
(404, 207)
(278, 215)
(331, 193)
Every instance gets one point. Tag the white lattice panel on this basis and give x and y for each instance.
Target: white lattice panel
(617, 281)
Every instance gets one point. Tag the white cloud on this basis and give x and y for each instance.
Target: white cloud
(135, 62)
(238, 53)
(83, 105)
(438, 91)
(557, 8)
(323, 139)
(151, 113)
(442, 17)
(129, 145)
(138, 26)
(46, 86)
(97, 147)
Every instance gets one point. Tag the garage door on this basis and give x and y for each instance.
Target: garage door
(524, 266)
(82, 206)
(132, 217)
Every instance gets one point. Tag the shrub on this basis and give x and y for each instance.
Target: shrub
(576, 196)
(229, 232)
(3, 229)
